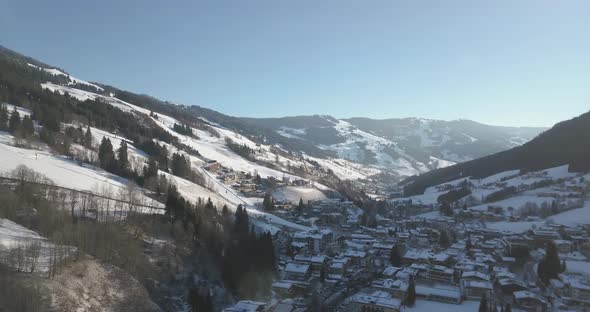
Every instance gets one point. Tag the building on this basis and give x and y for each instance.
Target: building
(377, 301)
(317, 240)
(247, 306)
(438, 273)
(528, 301)
(475, 290)
(446, 294)
(297, 271)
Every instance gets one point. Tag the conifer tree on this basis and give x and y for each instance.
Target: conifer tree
(483, 304)
(300, 206)
(28, 126)
(394, 256)
(14, 122)
(106, 157)
(88, 138)
(411, 297)
(122, 154)
(3, 118)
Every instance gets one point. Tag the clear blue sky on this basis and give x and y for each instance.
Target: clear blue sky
(523, 62)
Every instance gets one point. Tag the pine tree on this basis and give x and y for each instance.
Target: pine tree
(550, 266)
(106, 157)
(14, 122)
(28, 126)
(122, 154)
(395, 257)
(411, 297)
(88, 138)
(3, 118)
(300, 206)
(444, 240)
(483, 304)
(268, 203)
(508, 308)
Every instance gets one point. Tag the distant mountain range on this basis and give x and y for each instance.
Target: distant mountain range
(566, 143)
(406, 146)
(400, 147)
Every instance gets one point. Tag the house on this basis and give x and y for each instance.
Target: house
(439, 273)
(397, 288)
(475, 290)
(511, 285)
(580, 289)
(475, 276)
(297, 271)
(247, 306)
(529, 301)
(377, 301)
(212, 165)
(446, 294)
(316, 240)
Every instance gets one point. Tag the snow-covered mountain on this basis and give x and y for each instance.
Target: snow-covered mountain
(350, 148)
(405, 146)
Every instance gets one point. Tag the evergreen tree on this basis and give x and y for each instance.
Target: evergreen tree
(411, 297)
(395, 257)
(14, 122)
(3, 118)
(106, 157)
(550, 266)
(122, 154)
(88, 138)
(444, 240)
(483, 304)
(28, 126)
(508, 308)
(563, 266)
(300, 206)
(268, 203)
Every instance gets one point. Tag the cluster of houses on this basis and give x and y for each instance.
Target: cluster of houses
(349, 267)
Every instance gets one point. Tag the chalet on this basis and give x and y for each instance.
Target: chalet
(475, 290)
(511, 285)
(248, 306)
(297, 271)
(475, 276)
(528, 301)
(439, 273)
(377, 301)
(397, 288)
(439, 293)
(212, 165)
(316, 240)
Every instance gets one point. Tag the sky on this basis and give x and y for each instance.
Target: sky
(519, 63)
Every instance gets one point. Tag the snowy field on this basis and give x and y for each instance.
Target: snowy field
(62, 171)
(294, 193)
(15, 239)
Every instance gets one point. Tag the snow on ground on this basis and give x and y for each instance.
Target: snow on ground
(498, 177)
(14, 236)
(345, 169)
(73, 80)
(292, 133)
(438, 163)
(62, 171)
(578, 267)
(404, 165)
(516, 202)
(294, 193)
(21, 111)
(430, 306)
(570, 217)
